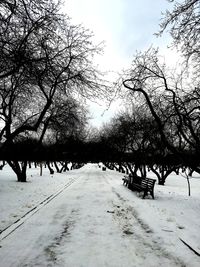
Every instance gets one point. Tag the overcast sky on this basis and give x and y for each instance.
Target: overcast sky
(125, 26)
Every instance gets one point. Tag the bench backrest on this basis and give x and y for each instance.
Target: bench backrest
(134, 179)
(148, 182)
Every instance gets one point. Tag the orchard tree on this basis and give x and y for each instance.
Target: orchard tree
(65, 119)
(183, 23)
(43, 57)
(149, 78)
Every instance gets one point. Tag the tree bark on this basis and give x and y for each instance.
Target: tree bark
(19, 169)
(49, 167)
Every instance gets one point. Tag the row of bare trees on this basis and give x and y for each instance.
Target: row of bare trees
(45, 62)
(162, 126)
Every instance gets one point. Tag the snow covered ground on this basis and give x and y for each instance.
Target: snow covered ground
(86, 218)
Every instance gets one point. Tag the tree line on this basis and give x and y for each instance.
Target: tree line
(46, 65)
(161, 128)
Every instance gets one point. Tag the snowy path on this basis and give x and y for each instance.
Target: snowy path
(91, 223)
(16, 224)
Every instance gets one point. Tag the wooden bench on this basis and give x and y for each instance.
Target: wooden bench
(145, 185)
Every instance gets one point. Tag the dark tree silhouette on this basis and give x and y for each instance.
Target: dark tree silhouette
(65, 119)
(183, 23)
(179, 127)
(42, 57)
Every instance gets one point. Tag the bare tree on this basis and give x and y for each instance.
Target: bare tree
(43, 57)
(149, 78)
(66, 118)
(183, 23)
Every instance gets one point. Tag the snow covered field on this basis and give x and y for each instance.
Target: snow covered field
(86, 218)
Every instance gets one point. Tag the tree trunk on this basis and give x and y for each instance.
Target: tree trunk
(40, 168)
(136, 168)
(154, 170)
(143, 170)
(57, 168)
(3, 164)
(19, 169)
(163, 173)
(66, 168)
(130, 168)
(126, 168)
(189, 188)
(49, 167)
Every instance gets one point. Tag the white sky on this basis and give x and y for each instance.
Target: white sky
(125, 26)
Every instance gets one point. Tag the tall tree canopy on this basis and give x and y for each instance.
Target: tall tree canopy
(43, 58)
(184, 24)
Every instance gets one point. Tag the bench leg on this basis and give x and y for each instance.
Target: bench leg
(145, 194)
(152, 194)
(129, 185)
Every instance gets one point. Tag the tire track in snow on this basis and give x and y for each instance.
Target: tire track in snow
(134, 228)
(50, 251)
(14, 226)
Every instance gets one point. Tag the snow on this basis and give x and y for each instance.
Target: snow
(86, 217)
